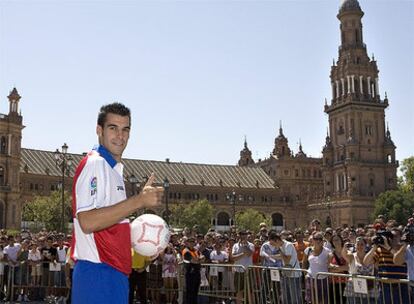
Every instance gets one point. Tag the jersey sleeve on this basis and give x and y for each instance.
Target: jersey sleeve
(90, 186)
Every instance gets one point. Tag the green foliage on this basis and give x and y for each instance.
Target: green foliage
(407, 169)
(396, 204)
(196, 213)
(48, 210)
(250, 219)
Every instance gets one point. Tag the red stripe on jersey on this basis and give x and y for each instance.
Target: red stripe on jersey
(75, 179)
(118, 257)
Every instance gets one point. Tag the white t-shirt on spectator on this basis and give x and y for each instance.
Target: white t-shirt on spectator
(61, 254)
(220, 258)
(12, 251)
(34, 256)
(245, 260)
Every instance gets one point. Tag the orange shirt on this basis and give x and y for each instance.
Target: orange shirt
(300, 248)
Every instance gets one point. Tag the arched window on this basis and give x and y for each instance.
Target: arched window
(3, 145)
(2, 176)
(223, 219)
(277, 219)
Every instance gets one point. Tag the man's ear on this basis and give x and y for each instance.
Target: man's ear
(99, 130)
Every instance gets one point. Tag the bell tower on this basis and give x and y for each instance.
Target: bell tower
(281, 149)
(245, 156)
(359, 155)
(10, 144)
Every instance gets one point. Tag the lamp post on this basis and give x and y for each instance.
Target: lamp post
(232, 198)
(328, 206)
(166, 185)
(64, 163)
(133, 180)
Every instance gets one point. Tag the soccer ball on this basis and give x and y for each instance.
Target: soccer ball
(150, 235)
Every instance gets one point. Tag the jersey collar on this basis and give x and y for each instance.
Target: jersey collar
(106, 155)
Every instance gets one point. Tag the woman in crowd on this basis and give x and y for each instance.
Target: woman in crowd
(355, 261)
(316, 260)
(169, 273)
(337, 265)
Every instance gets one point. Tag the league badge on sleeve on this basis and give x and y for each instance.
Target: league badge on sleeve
(93, 186)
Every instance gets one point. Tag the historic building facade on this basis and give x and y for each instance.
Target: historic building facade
(358, 158)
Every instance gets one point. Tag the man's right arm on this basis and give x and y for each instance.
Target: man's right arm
(399, 256)
(101, 218)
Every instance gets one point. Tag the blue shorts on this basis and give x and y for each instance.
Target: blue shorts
(98, 283)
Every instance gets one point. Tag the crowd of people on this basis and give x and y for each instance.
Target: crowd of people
(40, 264)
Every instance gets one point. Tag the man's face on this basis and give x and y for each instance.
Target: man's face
(114, 134)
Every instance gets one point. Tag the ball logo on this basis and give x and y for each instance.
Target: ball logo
(149, 231)
(149, 234)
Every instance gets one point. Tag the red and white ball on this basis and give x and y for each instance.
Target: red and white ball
(150, 234)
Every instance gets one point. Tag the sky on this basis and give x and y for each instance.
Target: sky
(198, 76)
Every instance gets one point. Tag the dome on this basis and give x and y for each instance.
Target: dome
(349, 5)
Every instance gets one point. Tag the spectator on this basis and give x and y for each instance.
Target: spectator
(300, 245)
(337, 265)
(356, 267)
(138, 277)
(192, 260)
(406, 255)
(256, 253)
(218, 256)
(317, 260)
(291, 287)
(270, 252)
(381, 256)
(242, 254)
(169, 273)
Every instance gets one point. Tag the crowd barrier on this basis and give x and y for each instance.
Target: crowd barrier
(27, 282)
(225, 283)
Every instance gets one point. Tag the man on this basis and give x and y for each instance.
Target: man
(102, 239)
(242, 255)
(192, 260)
(138, 277)
(300, 245)
(10, 256)
(381, 255)
(406, 255)
(291, 287)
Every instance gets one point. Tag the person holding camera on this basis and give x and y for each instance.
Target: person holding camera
(406, 255)
(382, 255)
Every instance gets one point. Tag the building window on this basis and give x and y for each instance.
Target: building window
(223, 219)
(368, 130)
(3, 145)
(2, 176)
(296, 172)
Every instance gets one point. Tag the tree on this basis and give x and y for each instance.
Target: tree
(196, 213)
(397, 205)
(250, 219)
(48, 210)
(407, 169)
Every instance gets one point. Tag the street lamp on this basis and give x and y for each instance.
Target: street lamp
(328, 205)
(64, 163)
(133, 180)
(166, 185)
(232, 198)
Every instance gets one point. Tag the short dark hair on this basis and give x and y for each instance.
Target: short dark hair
(114, 108)
(274, 236)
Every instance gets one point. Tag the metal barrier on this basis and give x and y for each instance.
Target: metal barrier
(223, 282)
(275, 285)
(28, 282)
(331, 288)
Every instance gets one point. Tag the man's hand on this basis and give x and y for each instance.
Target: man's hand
(151, 196)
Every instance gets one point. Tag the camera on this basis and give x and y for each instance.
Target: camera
(408, 233)
(380, 237)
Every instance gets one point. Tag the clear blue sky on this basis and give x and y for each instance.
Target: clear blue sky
(197, 75)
